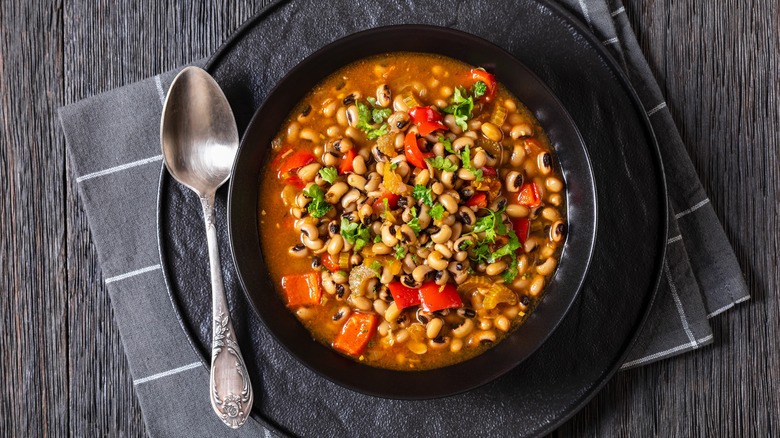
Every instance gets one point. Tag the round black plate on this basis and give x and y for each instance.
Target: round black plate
(243, 220)
(593, 339)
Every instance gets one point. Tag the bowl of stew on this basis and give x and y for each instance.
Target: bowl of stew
(411, 212)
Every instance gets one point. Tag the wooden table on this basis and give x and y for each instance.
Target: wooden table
(63, 368)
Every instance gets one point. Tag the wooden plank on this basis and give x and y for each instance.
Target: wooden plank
(33, 320)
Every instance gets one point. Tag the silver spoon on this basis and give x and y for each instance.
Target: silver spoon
(199, 143)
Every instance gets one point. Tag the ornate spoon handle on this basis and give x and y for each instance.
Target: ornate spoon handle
(230, 390)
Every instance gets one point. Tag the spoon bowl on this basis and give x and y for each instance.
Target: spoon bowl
(198, 133)
(199, 141)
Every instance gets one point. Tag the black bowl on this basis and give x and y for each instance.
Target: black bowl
(245, 189)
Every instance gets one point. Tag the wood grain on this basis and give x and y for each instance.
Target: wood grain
(63, 367)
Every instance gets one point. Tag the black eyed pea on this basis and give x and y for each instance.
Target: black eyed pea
(557, 231)
(407, 234)
(388, 237)
(304, 312)
(522, 129)
(380, 306)
(381, 249)
(293, 130)
(517, 211)
(449, 121)
(341, 117)
(309, 230)
(553, 184)
(518, 155)
(537, 284)
(333, 131)
(353, 133)
(441, 277)
(383, 96)
(361, 303)
(329, 107)
(330, 159)
(310, 134)
(547, 267)
(464, 329)
(456, 345)
(448, 179)
(353, 115)
(436, 261)
(502, 323)
(474, 124)
(544, 162)
(510, 105)
(335, 244)
(341, 315)
(466, 174)
(392, 312)
(460, 143)
(398, 121)
(482, 337)
(423, 177)
(350, 198)
(466, 216)
(399, 104)
(356, 181)
(449, 203)
(420, 273)
(299, 251)
(341, 145)
(513, 181)
(496, 268)
(443, 249)
(491, 131)
(309, 171)
(433, 328)
(387, 276)
(312, 244)
(439, 343)
(551, 214)
(442, 236)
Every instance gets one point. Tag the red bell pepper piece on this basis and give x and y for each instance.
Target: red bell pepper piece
(489, 171)
(346, 165)
(294, 162)
(478, 74)
(435, 297)
(404, 296)
(295, 181)
(302, 289)
(392, 202)
(479, 199)
(427, 119)
(330, 262)
(355, 334)
(529, 195)
(521, 227)
(413, 153)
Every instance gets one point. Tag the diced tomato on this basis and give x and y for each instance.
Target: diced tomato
(529, 195)
(479, 199)
(355, 334)
(331, 263)
(302, 289)
(346, 165)
(392, 202)
(279, 158)
(489, 171)
(412, 151)
(427, 119)
(521, 227)
(478, 74)
(404, 296)
(435, 297)
(295, 161)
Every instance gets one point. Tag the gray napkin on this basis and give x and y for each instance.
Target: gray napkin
(113, 142)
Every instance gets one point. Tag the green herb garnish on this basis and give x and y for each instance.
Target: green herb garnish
(465, 157)
(376, 267)
(355, 234)
(508, 249)
(379, 115)
(479, 89)
(442, 163)
(414, 222)
(329, 174)
(447, 144)
(492, 225)
(400, 251)
(420, 192)
(461, 108)
(365, 118)
(318, 207)
(437, 211)
(377, 238)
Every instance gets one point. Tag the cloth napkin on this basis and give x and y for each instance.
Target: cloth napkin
(113, 142)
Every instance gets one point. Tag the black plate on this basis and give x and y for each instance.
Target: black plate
(591, 342)
(243, 220)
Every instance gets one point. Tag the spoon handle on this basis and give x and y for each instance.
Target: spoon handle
(230, 391)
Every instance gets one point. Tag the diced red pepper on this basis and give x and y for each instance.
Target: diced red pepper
(427, 119)
(479, 199)
(355, 334)
(279, 158)
(392, 202)
(294, 162)
(294, 180)
(489, 171)
(413, 153)
(435, 297)
(302, 289)
(404, 296)
(346, 165)
(331, 263)
(529, 195)
(521, 227)
(478, 74)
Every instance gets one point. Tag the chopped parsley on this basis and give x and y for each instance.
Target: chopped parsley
(479, 89)
(355, 234)
(377, 238)
(442, 163)
(365, 117)
(372, 100)
(376, 266)
(461, 108)
(414, 222)
(318, 207)
(482, 252)
(511, 271)
(437, 211)
(329, 174)
(420, 192)
(386, 204)
(400, 251)
(508, 249)
(379, 115)
(492, 225)
(465, 157)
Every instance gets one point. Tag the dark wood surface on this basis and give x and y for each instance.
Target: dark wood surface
(63, 368)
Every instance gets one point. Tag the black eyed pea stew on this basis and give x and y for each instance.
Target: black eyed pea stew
(412, 212)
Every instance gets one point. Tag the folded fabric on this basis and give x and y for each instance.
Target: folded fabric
(113, 142)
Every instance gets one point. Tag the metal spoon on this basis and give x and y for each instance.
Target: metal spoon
(199, 142)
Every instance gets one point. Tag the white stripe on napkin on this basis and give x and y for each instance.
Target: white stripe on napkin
(167, 373)
(692, 209)
(652, 357)
(132, 273)
(121, 167)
